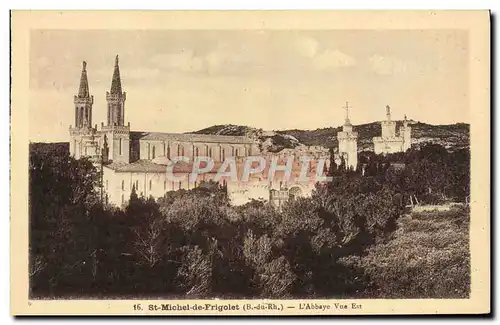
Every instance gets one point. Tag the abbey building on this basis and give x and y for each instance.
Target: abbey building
(139, 160)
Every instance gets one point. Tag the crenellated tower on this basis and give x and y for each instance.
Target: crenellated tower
(405, 134)
(388, 126)
(348, 142)
(390, 142)
(116, 130)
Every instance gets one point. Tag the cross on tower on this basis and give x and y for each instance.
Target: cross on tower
(347, 111)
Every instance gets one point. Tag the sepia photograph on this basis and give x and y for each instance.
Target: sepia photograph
(251, 168)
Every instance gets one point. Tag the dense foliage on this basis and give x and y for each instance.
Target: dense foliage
(354, 237)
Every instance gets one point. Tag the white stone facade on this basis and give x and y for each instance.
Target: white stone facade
(390, 141)
(139, 160)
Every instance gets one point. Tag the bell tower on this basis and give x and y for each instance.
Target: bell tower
(117, 132)
(116, 99)
(83, 102)
(82, 142)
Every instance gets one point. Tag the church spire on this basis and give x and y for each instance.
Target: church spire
(116, 84)
(83, 91)
(83, 102)
(116, 99)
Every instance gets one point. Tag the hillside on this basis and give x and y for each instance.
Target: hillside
(272, 141)
(453, 136)
(58, 149)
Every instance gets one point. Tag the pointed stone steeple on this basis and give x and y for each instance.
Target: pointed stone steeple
(83, 101)
(116, 84)
(116, 99)
(83, 91)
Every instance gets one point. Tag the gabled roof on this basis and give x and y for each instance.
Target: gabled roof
(191, 137)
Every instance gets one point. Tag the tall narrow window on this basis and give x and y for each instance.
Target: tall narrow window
(164, 185)
(168, 152)
(137, 185)
(196, 152)
(150, 184)
(164, 147)
(149, 151)
(236, 152)
(210, 153)
(223, 154)
(154, 153)
(120, 146)
(123, 185)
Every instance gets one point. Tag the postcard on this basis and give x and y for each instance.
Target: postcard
(250, 163)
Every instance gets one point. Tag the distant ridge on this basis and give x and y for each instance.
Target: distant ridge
(452, 136)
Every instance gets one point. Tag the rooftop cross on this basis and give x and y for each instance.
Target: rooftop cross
(347, 112)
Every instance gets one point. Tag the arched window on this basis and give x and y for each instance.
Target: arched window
(123, 185)
(196, 152)
(154, 152)
(236, 152)
(137, 185)
(223, 154)
(120, 146)
(182, 151)
(149, 150)
(164, 147)
(168, 152)
(150, 184)
(210, 153)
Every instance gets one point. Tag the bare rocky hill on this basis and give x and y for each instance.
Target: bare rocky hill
(452, 137)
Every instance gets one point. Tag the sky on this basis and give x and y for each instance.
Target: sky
(186, 80)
